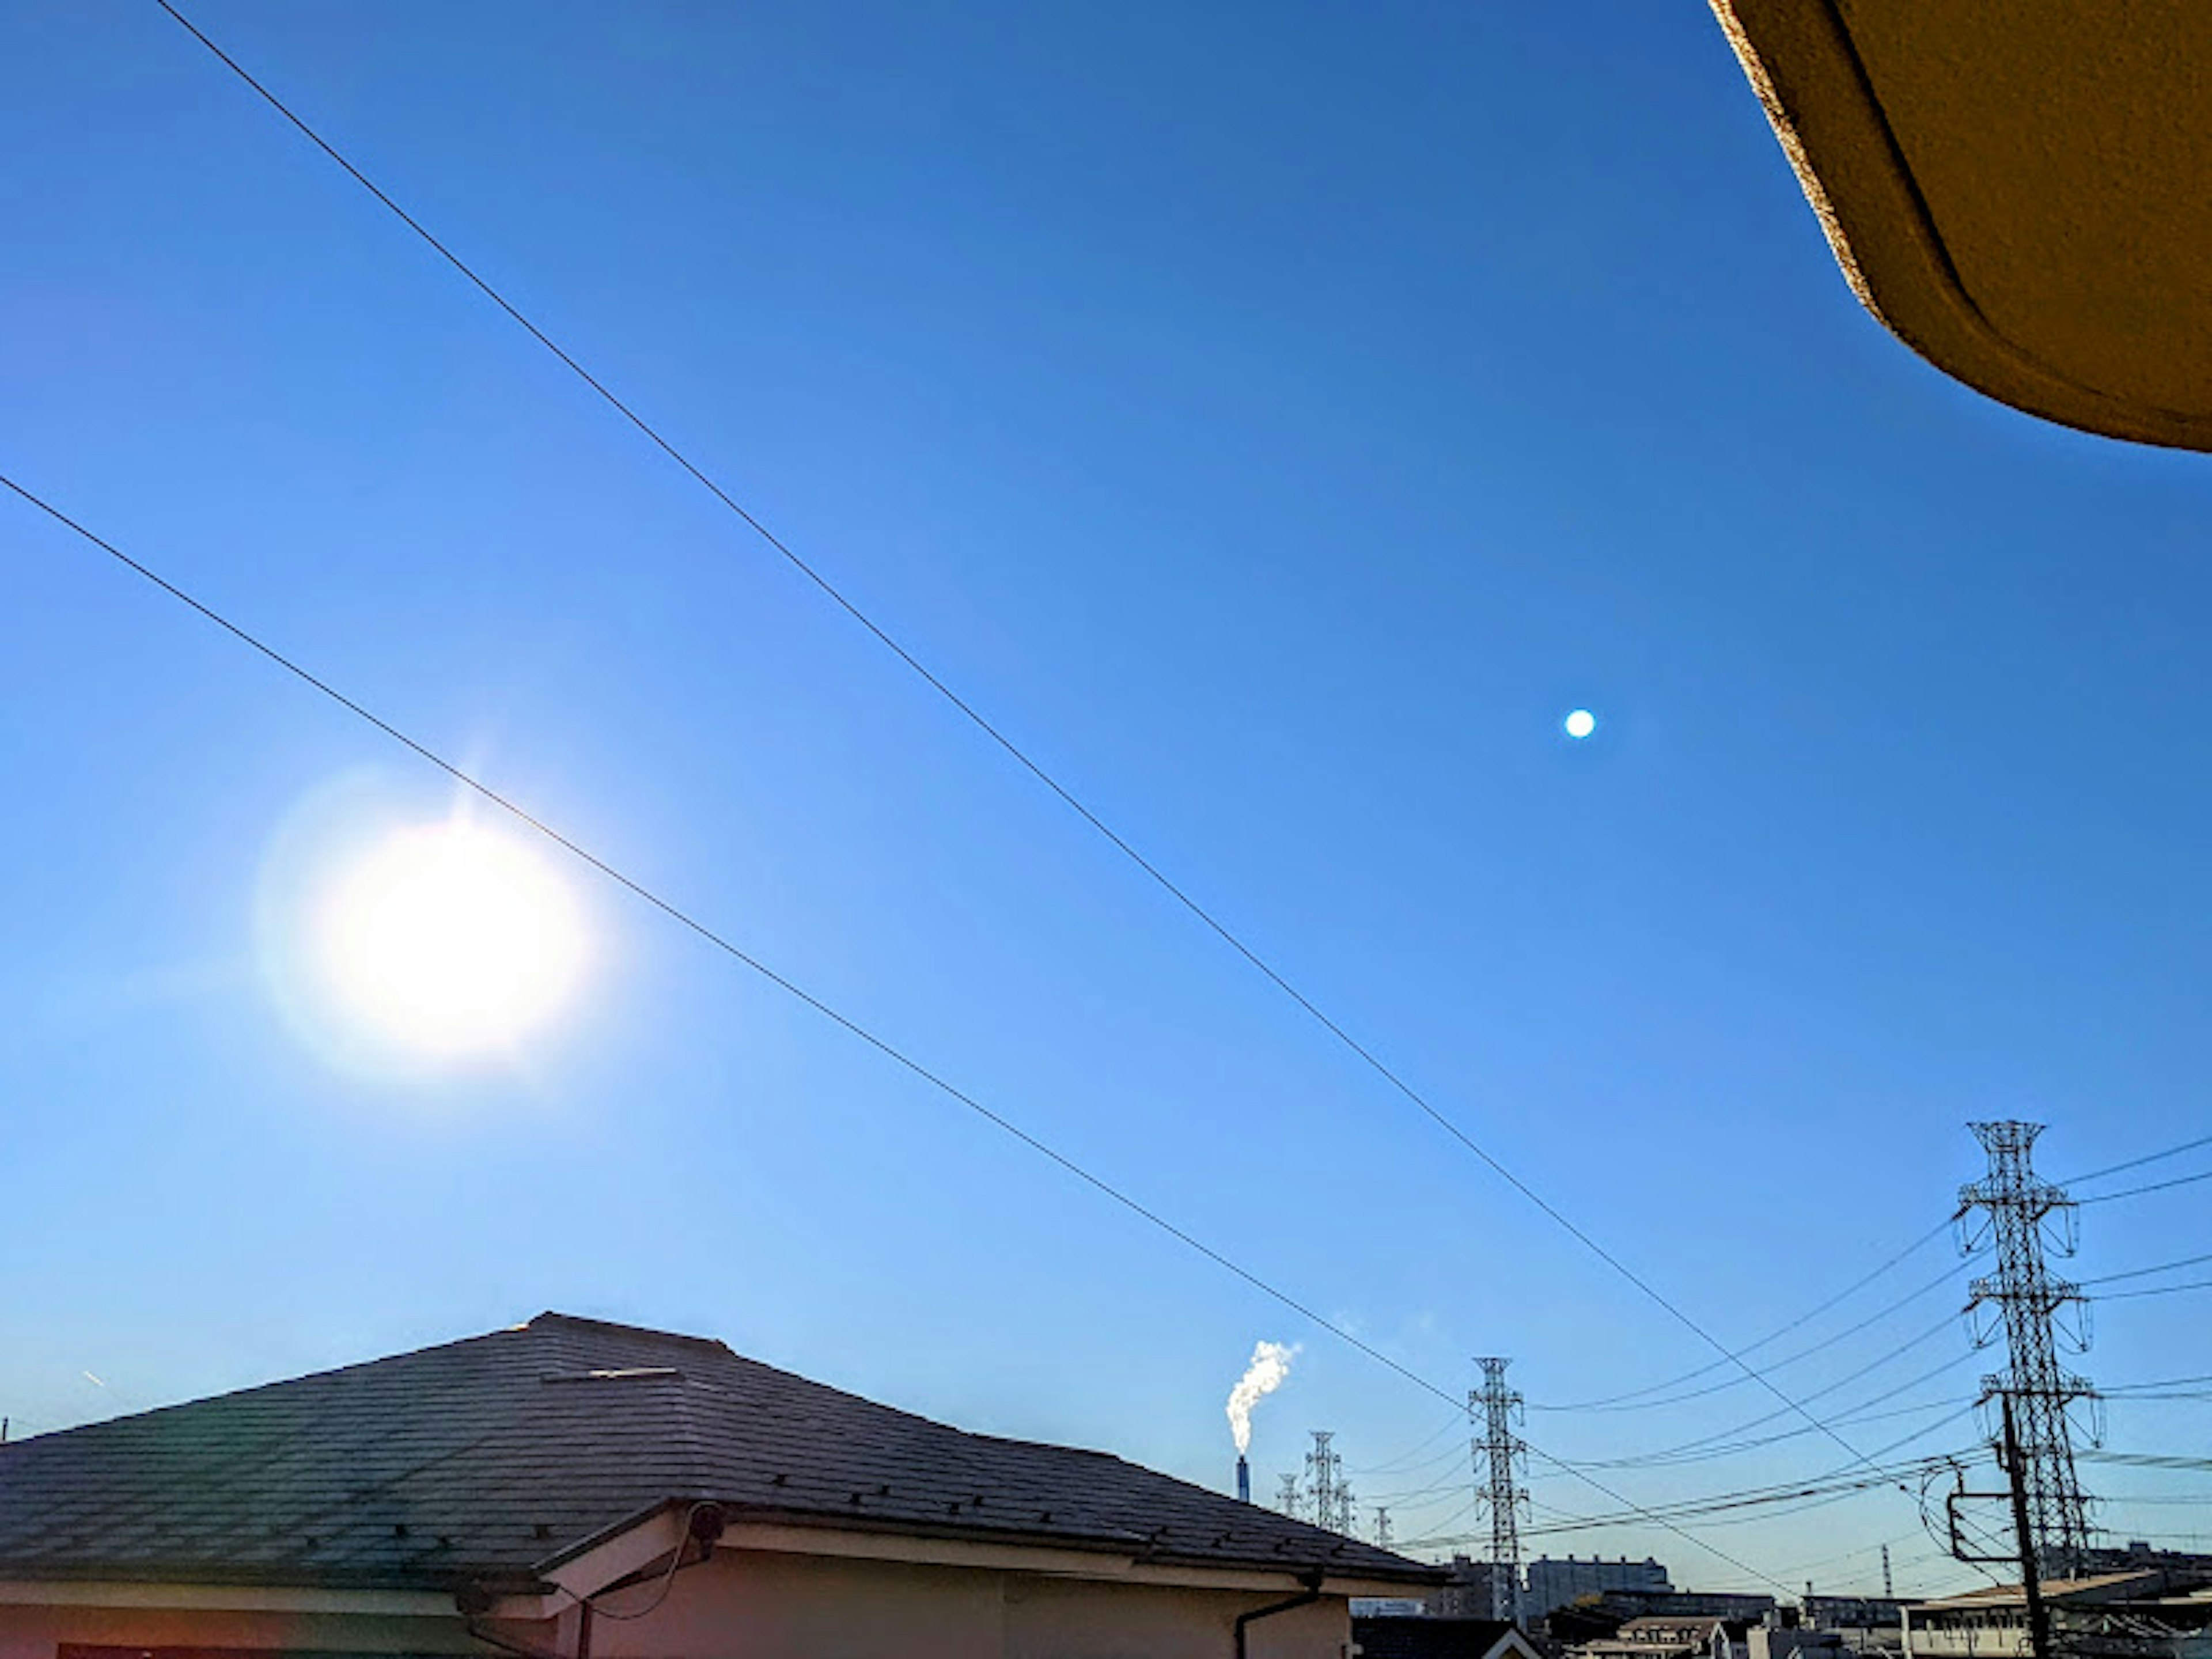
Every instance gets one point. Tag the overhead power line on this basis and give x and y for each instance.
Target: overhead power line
(999, 737)
(1710, 1366)
(1949, 1273)
(2145, 1273)
(2137, 1163)
(2151, 1187)
(1698, 1510)
(846, 1023)
(2155, 1290)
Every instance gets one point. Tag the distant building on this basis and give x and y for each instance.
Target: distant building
(2158, 1613)
(1670, 1635)
(1706, 1604)
(1466, 1594)
(1845, 1613)
(1863, 1624)
(1795, 1641)
(1553, 1584)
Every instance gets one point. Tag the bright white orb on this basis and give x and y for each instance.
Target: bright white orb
(453, 938)
(1581, 723)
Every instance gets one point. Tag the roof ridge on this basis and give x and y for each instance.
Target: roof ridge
(553, 1319)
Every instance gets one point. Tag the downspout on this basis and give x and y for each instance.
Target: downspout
(1305, 1598)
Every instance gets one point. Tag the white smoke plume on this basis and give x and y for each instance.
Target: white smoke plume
(1271, 1364)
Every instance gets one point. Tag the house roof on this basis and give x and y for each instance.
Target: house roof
(1390, 1636)
(2095, 1587)
(491, 1461)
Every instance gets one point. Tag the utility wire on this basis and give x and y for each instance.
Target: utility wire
(2153, 1187)
(1860, 1413)
(2145, 1273)
(1773, 1366)
(883, 1046)
(2155, 1290)
(1856, 1284)
(2137, 1163)
(1672, 1453)
(2162, 1382)
(1013, 749)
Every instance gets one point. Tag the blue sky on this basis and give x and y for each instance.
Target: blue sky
(1276, 419)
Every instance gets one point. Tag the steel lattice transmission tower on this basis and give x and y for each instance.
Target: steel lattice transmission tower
(1332, 1494)
(1502, 1454)
(2020, 1209)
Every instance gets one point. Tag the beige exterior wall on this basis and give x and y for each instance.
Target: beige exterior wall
(766, 1605)
(33, 1633)
(786, 1606)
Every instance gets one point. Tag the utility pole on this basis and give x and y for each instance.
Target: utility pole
(1500, 1450)
(2035, 1389)
(2038, 1616)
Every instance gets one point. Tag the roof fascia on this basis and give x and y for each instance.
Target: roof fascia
(652, 1536)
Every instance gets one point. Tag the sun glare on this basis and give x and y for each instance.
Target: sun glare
(453, 938)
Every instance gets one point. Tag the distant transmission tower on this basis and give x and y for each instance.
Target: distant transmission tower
(1381, 1527)
(1290, 1499)
(1500, 1450)
(2020, 1209)
(1325, 1475)
(1888, 1593)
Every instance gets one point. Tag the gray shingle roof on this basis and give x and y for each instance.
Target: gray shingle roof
(492, 1458)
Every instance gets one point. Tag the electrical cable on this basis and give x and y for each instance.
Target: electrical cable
(1859, 1284)
(2137, 1163)
(1410, 1458)
(667, 1579)
(1005, 743)
(1819, 1490)
(1826, 1343)
(883, 1046)
(2145, 1273)
(1738, 1448)
(2161, 1382)
(2155, 1290)
(1671, 1454)
(2152, 1187)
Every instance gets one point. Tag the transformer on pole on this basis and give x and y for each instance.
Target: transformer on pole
(1500, 1451)
(2034, 1391)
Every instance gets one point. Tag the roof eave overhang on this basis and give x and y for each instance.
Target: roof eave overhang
(617, 1553)
(1802, 62)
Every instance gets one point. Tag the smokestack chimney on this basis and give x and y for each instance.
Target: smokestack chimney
(1244, 1480)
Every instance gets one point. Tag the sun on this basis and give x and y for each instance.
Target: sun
(453, 938)
(1580, 724)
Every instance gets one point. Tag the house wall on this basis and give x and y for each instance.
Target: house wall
(766, 1605)
(34, 1633)
(762, 1606)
